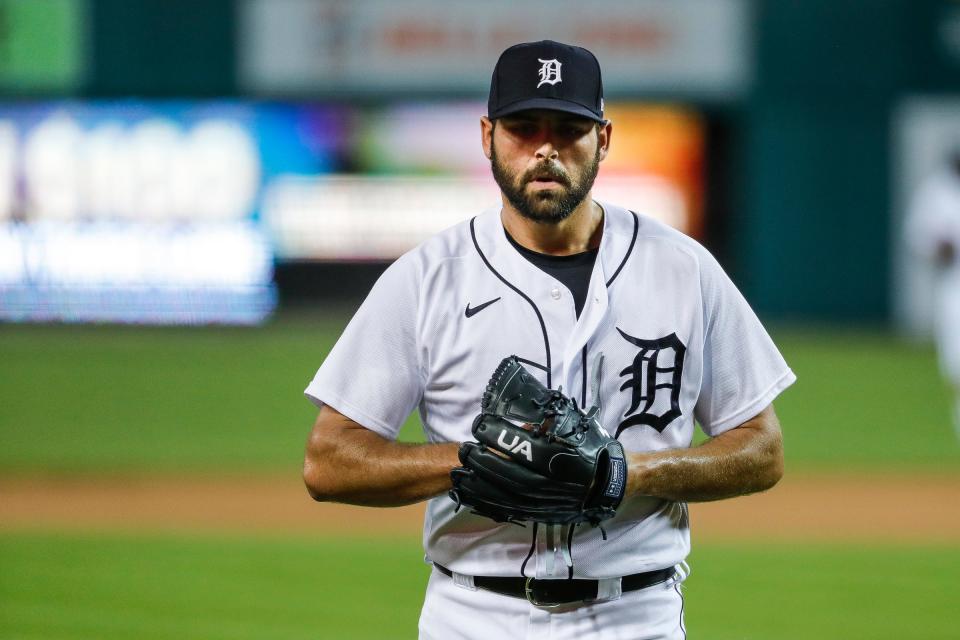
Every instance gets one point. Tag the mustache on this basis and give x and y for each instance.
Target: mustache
(548, 171)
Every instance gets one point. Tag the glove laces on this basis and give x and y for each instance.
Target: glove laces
(566, 533)
(552, 401)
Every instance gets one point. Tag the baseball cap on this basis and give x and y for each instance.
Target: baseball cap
(546, 75)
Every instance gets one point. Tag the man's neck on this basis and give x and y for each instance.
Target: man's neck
(578, 232)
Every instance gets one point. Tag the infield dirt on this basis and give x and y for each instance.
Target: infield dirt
(823, 507)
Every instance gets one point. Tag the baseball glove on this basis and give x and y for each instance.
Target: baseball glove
(557, 466)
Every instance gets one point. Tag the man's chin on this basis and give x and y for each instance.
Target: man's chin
(546, 213)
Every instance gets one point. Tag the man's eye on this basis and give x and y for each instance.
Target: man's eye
(524, 129)
(573, 131)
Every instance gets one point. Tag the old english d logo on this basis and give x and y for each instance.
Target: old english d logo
(653, 381)
(549, 71)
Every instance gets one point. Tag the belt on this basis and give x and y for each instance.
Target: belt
(552, 593)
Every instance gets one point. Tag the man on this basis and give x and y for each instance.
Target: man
(558, 279)
(933, 233)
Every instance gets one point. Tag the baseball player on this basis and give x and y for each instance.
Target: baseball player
(608, 307)
(933, 233)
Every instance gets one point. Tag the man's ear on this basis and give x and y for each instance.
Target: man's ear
(486, 135)
(604, 134)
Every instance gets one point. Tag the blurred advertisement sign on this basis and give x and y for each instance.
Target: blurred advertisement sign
(688, 47)
(42, 44)
(174, 212)
(147, 169)
(373, 217)
(418, 168)
(142, 273)
(132, 212)
(176, 161)
(344, 217)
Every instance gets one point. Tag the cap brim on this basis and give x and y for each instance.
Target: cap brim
(551, 104)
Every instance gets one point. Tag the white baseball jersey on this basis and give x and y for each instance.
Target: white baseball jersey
(679, 342)
(934, 218)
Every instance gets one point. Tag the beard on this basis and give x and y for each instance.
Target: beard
(546, 206)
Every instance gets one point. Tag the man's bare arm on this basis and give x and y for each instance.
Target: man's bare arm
(346, 462)
(746, 459)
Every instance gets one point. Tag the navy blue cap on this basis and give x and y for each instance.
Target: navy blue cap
(546, 75)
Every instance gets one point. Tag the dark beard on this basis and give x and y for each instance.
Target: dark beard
(545, 207)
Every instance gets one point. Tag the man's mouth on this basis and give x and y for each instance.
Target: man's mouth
(546, 180)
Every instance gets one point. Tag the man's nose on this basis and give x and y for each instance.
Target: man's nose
(547, 151)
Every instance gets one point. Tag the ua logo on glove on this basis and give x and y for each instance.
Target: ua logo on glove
(518, 446)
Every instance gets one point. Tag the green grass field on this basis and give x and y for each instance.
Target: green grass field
(57, 587)
(97, 400)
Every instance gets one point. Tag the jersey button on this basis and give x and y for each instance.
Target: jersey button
(555, 293)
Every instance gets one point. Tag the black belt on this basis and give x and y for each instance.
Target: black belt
(551, 593)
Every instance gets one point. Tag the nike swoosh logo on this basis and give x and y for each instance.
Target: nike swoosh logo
(477, 309)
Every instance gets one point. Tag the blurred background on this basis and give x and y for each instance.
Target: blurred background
(195, 196)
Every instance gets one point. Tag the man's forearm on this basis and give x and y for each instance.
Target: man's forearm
(743, 460)
(350, 464)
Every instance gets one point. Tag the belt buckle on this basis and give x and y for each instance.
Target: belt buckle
(528, 590)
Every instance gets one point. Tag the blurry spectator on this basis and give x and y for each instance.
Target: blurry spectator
(933, 233)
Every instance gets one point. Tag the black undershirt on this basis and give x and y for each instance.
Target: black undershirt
(573, 271)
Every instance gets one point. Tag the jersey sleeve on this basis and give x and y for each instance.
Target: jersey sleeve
(742, 369)
(373, 374)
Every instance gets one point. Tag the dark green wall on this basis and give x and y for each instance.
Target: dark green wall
(813, 241)
(163, 48)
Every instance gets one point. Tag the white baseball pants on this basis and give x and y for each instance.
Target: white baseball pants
(453, 612)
